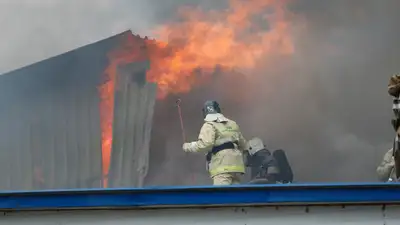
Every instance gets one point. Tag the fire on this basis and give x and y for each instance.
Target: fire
(128, 52)
(200, 40)
(106, 117)
(229, 38)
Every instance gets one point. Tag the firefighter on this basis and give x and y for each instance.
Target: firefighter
(264, 167)
(222, 141)
(386, 170)
(394, 85)
(394, 91)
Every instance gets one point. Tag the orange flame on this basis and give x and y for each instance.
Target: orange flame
(200, 40)
(129, 51)
(230, 38)
(106, 117)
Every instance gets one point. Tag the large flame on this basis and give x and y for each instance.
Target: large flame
(238, 37)
(250, 30)
(106, 117)
(129, 51)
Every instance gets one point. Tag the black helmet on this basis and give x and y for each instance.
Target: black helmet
(211, 107)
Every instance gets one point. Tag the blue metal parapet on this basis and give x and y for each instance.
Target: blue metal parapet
(208, 196)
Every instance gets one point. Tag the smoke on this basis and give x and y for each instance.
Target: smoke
(348, 51)
(326, 105)
(33, 30)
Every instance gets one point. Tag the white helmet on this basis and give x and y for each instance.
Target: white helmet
(254, 145)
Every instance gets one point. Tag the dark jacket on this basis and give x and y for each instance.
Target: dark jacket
(262, 165)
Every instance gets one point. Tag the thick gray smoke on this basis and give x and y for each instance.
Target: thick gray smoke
(326, 105)
(338, 92)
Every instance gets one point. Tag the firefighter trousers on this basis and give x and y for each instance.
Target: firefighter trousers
(227, 178)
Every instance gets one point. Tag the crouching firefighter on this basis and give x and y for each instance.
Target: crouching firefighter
(222, 141)
(264, 167)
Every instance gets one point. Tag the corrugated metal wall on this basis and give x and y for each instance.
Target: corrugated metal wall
(133, 116)
(50, 134)
(51, 138)
(49, 121)
(260, 215)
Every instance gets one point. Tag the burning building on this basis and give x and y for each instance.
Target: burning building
(84, 119)
(61, 117)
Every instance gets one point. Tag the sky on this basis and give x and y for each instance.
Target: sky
(326, 105)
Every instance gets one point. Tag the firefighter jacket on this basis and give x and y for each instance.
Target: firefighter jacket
(386, 169)
(217, 132)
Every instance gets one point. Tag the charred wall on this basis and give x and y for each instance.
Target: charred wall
(133, 116)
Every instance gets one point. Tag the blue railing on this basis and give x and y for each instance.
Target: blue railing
(288, 194)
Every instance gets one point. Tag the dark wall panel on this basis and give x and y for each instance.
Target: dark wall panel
(50, 122)
(54, 135)
(133, 115)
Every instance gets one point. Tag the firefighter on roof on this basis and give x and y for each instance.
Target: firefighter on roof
(264, 167)
(221, 139)
(386, 170)
(394, 91)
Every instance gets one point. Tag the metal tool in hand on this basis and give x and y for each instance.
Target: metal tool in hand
(178, 104)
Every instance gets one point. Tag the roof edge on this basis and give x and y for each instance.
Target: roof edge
(127, 32)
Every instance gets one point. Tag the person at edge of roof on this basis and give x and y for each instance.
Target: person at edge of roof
(386, 170)
(263, 166)
(394, 91)
(222, 141)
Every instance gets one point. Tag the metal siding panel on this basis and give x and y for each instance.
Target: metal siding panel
(79, 147)
(128, 137)
(15, 164)
(147, 101)
(134, 105)
(4, 154)
(51, 143)
(134, 110)
(62, 144)
(94, 141)
(117, 153)
(82, 123)
(20, 145)
(39, 131)
(17, 152)
(52, 123)
(24, 148)
(74, 139)
(84, 150)
(144, 164)
(126, 127)
(14, 156)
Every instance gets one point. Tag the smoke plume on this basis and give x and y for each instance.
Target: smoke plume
(326, 105)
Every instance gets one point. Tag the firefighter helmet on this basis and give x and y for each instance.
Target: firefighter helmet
(211, 107)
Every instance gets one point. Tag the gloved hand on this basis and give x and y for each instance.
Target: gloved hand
(186, 147)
